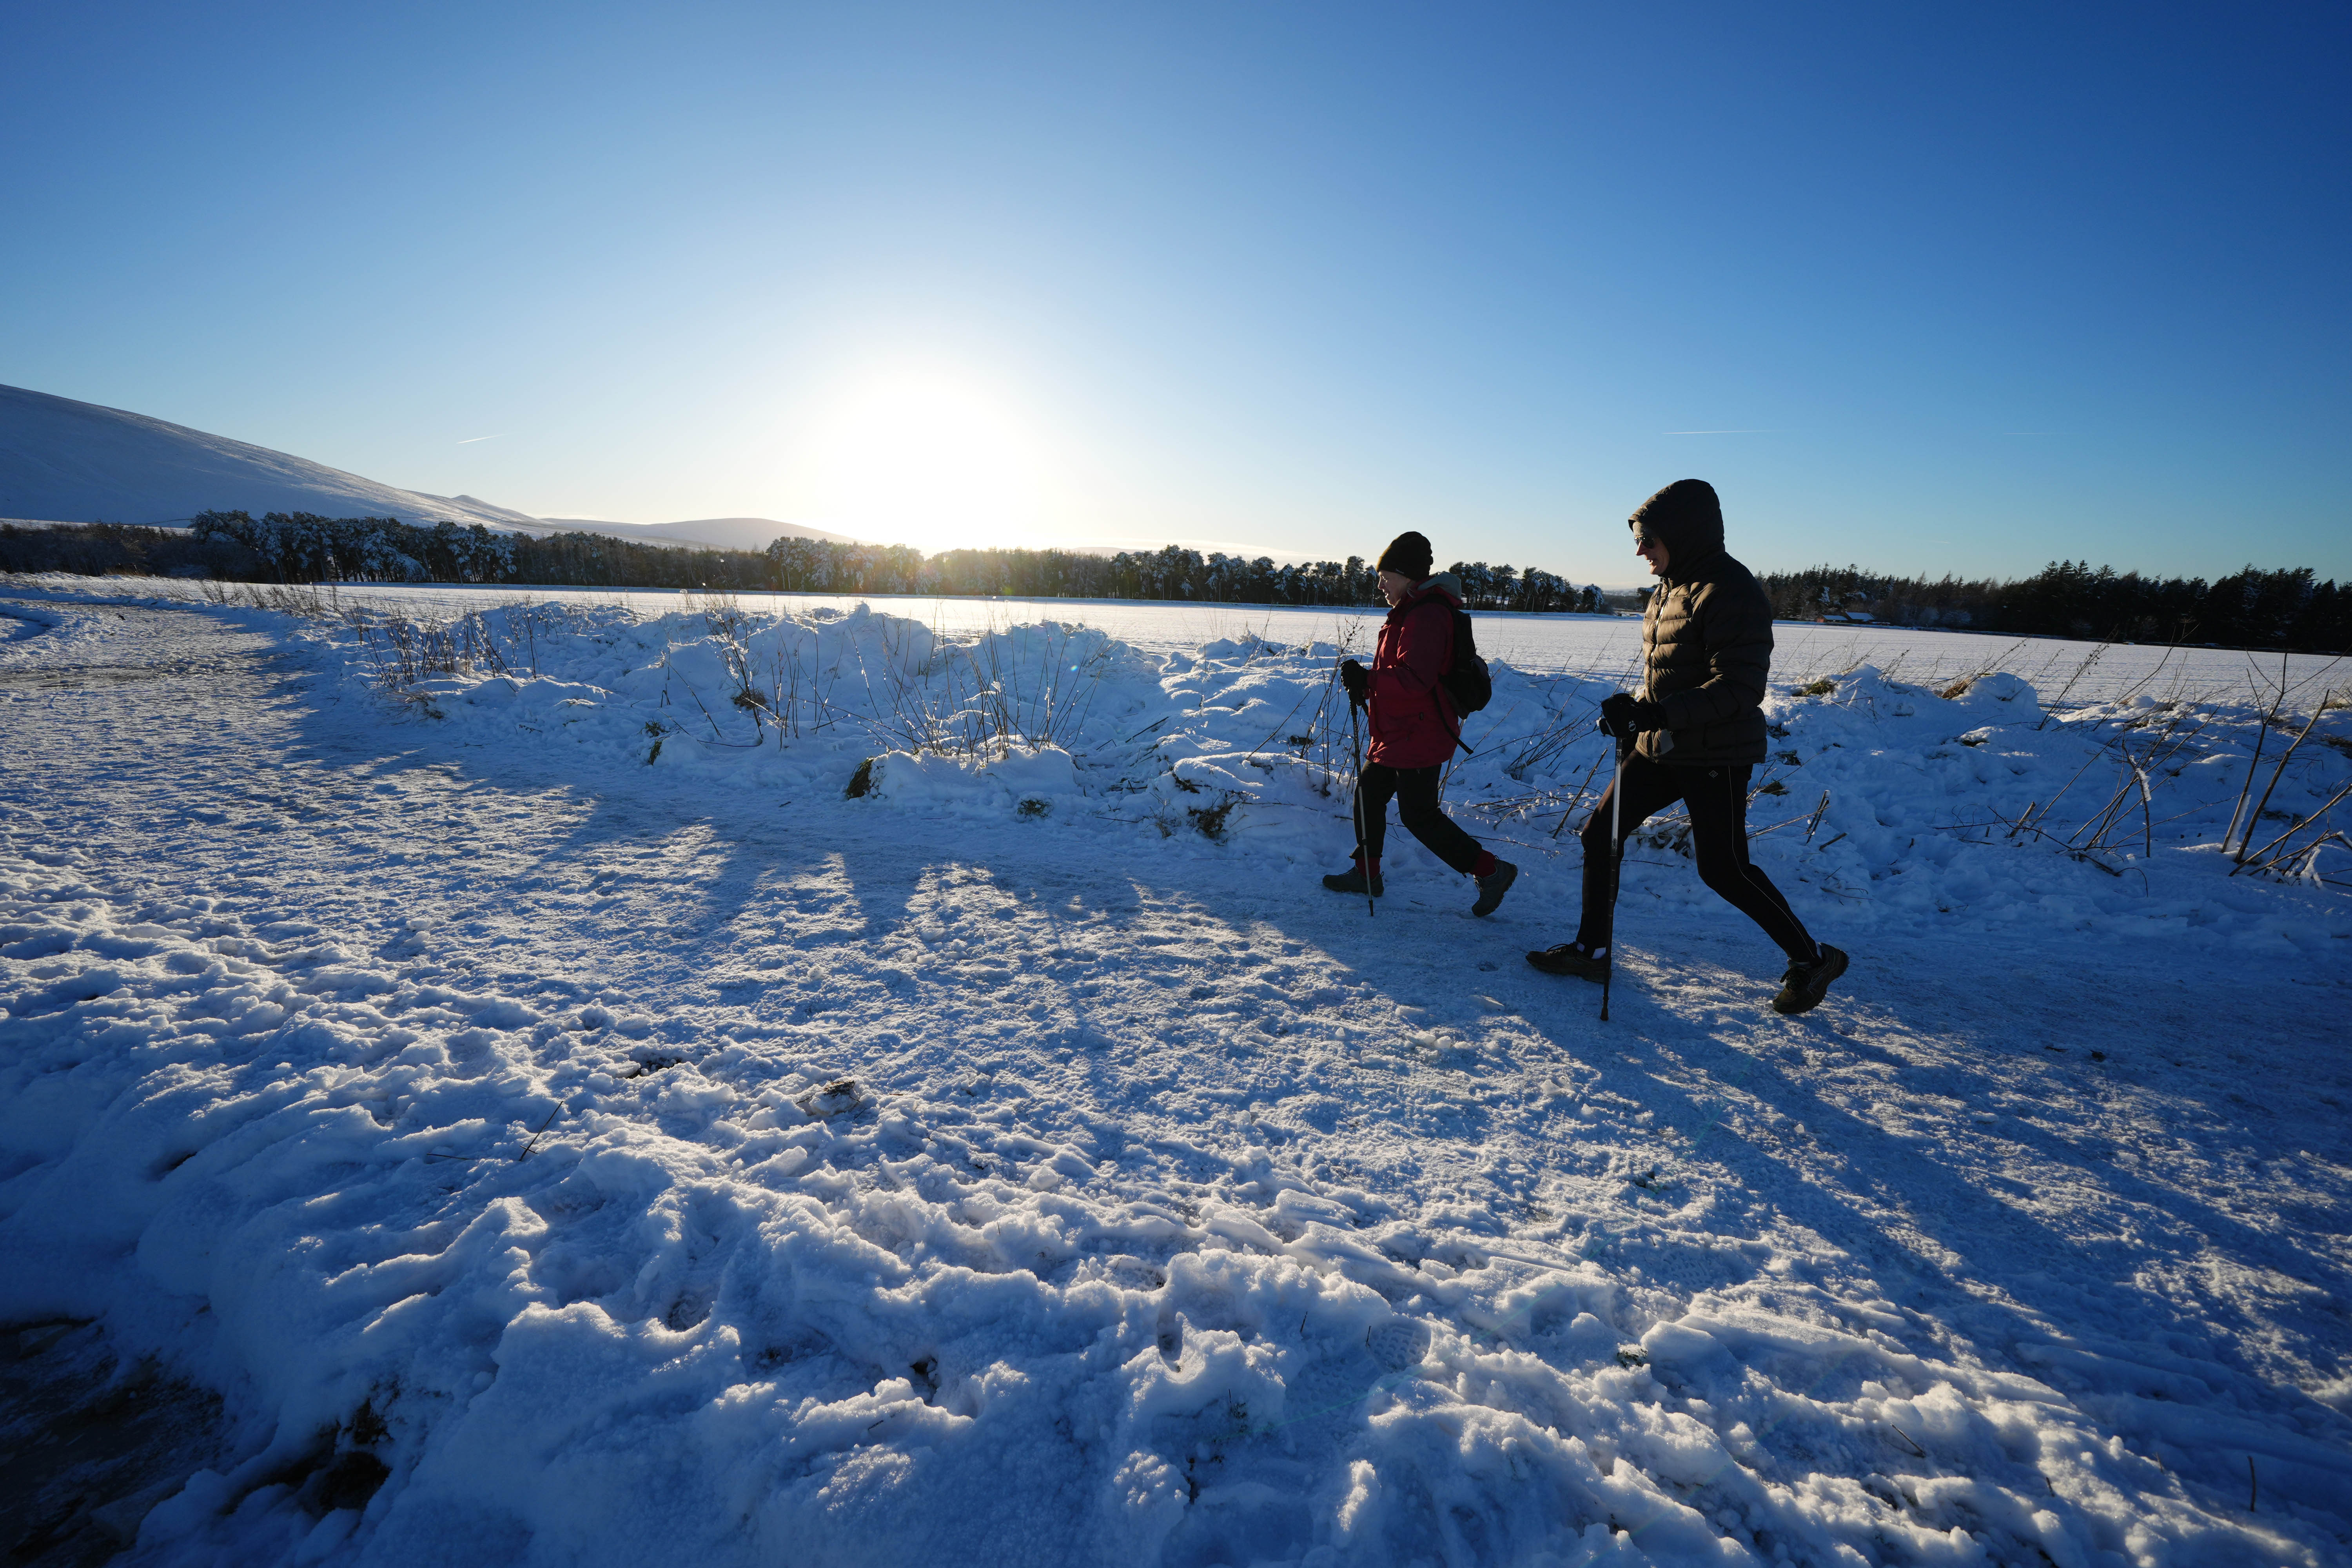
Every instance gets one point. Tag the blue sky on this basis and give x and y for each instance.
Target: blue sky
(1962, 291)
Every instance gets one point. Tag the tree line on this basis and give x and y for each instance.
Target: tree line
(1173, 572)
(2251, 608)
(2248, 608)
(301, 547)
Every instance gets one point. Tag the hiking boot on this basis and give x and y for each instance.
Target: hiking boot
(1493, 886)
(1353, 881)
(1803, 988)
(1570, 959)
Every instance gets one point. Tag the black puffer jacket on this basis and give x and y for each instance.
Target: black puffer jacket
(1706, 642)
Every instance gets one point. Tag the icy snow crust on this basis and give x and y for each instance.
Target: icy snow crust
(452, 1070)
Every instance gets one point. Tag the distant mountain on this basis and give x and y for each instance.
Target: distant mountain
(521, 519)
(78, 462)
(728, 532)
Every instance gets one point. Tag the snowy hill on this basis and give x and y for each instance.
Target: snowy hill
(81, 462)
(729, 532)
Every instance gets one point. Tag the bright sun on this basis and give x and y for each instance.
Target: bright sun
(928, 458)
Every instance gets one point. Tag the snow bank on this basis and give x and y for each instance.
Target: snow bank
(1972, 805)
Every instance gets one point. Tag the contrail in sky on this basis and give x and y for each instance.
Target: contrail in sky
(471, 439)
(1720, 432)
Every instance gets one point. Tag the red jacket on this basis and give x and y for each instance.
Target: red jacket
(1412, 718)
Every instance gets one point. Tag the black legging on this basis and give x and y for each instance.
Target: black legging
(1415, 790)
(1716, 799)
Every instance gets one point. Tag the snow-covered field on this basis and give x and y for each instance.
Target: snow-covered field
(1548, 643)
(561, 1126)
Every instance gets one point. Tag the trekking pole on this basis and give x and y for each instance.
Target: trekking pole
(1616, 867)
(1363, 850)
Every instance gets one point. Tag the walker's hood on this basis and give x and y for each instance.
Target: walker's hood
(1445, 583)
(1686, 518)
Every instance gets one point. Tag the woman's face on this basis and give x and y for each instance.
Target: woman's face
(1394, 587)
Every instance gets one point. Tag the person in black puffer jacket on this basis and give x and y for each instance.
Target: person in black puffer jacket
(1697, 733)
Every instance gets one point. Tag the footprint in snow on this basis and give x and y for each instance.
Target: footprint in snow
(1399, 1343)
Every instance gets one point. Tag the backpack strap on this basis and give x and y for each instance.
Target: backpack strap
(1460, 618)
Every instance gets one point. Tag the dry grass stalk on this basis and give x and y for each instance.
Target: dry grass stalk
(2261, 733)
(2276, 773)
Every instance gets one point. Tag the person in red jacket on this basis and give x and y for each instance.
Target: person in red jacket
(1414, 728)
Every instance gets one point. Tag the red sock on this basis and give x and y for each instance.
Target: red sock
(1485, 866)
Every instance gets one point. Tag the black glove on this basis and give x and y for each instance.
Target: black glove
(1357, 680)
(1623, 717)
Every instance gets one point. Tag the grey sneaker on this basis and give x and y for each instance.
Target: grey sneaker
(1493, 886)
(1353, 881)
(1803, 988)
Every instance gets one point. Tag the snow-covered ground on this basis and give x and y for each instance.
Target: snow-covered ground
(1546, 643)
(561, 1126)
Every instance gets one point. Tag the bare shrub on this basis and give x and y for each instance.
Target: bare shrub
(307, 600)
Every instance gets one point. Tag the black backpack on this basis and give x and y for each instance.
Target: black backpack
(1465, 679)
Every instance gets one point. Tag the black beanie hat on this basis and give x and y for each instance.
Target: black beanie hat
(1408, 555)
(1686, 517)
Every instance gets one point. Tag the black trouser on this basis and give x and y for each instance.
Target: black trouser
(1716, 799)
(1415, 790)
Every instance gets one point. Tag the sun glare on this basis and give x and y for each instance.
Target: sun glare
(930, 460)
